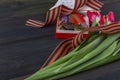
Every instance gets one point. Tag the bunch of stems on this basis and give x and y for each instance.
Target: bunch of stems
(94, 51)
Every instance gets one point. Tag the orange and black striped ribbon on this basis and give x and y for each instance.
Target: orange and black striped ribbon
(53, 14)
(61, 50)
(95, 4)
(64, 47)
(109, 29)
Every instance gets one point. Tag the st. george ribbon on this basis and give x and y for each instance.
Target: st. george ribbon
(63, 8)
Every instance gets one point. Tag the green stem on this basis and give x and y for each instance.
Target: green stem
(84, 51)
(92, 54)
(94, 23)
(61, 61)
(106, 53)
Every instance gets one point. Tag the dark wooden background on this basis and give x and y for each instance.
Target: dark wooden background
(24, 49)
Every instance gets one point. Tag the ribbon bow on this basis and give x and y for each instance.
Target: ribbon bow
(65, 46)
(56, 12)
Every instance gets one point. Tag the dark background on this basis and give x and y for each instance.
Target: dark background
(24, 49)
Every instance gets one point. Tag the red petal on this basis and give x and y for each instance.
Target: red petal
(75, 22)
(90, 15)
(102, 20)
(80, 17)
(111, 17)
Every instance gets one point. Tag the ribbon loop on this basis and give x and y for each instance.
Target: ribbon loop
(79, 4)
(64, 47)
(53, 14)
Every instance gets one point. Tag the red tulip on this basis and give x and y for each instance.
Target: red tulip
(102, 20)
(93, 16)
(110, 17)
(107, 19)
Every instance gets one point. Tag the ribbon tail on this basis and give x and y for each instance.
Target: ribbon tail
(35, 23)
(61, 50)
(95, 4)
(64, 48)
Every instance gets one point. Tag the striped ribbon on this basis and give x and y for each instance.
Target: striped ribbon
(53, 14)
(65, 46)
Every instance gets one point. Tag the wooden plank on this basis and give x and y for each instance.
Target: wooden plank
(23, 49)
(21, 78)
(22, 8)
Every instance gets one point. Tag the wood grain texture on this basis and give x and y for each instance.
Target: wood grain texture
(23, 49)
(21, 8)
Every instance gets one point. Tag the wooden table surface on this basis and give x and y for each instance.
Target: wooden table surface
(23, 49)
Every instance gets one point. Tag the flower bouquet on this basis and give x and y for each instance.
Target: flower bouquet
(77, 54)
(100, 47)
